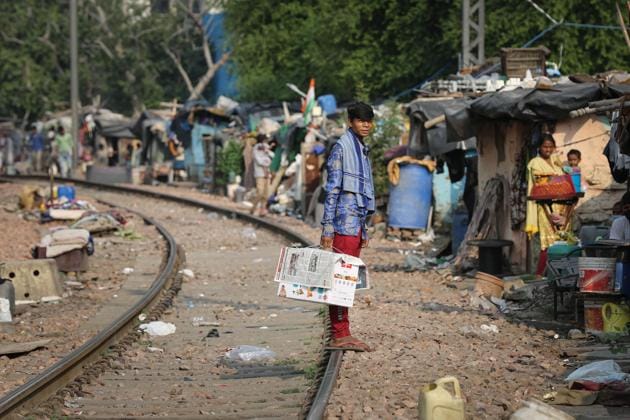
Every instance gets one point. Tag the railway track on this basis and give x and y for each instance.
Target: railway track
(228, 302)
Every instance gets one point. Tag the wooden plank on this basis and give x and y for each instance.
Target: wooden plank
(17, 348)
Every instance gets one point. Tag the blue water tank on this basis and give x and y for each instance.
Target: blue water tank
(458, 229)
(410, 200)
(328, 104)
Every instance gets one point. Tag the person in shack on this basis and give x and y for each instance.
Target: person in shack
(539, 169)
(349, 200)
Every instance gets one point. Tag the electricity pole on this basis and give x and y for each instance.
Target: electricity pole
(473, 33)
(74, 84)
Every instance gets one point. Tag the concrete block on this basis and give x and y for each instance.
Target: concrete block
(33, 279)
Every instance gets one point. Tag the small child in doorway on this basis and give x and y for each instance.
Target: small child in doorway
(574, 157)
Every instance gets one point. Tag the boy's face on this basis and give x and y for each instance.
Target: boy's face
(574, 160)
(361, 127)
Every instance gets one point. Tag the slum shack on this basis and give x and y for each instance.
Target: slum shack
(509, 126)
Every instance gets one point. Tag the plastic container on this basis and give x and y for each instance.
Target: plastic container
(576, 177)
(410, 200)
(596, 274)
(328, 104)
(593, 319)
(616, 318)
(458, 229)
(436, 402)
(66, 191)
(560, 249)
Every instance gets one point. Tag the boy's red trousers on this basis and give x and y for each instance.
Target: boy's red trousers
(339, 321)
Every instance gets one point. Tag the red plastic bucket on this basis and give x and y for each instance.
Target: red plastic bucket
(597, 275)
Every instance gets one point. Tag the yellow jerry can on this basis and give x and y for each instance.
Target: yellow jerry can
(436, 402)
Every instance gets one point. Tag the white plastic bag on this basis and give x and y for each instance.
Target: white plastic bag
(159, 328)
(602, 372)
(250, 353)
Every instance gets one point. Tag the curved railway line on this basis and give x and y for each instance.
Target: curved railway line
(92, 382)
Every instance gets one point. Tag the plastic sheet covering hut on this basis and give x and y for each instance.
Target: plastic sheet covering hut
(433, 140)
(112, 125)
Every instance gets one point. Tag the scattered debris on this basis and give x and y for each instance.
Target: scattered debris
(575, 334)
(212, 333)
(188, 273)
(534, 409)
(128, 234)
(247, 353)
(249, 233)
(489, 328)
(127, 270)
(602, 372)
(18, 348)
(158, 328)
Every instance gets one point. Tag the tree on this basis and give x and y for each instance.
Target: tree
(122, 55)
(379, 48)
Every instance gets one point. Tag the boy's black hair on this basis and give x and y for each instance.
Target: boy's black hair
(575, 152)
(361, 111)
(260, 138)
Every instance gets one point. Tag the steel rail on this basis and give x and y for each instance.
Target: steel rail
(19, 396)
(45, 384)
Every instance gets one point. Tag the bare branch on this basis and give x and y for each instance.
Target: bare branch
(105, 49)
(180, 68)
(205, 79)
(622, 23)
(206, 51)
(11, 39)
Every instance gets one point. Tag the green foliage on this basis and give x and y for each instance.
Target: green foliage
(122, 56)
(389, 128)
(358, 49)
(230, 161)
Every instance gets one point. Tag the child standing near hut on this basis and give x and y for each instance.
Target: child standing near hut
(349, 200)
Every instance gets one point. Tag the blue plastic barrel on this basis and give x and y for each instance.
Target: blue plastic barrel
(410, 200)
(458, 229)
(328, 103)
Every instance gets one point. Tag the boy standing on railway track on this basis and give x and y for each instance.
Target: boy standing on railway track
(349, 200)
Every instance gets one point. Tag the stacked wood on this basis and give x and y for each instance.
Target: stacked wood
(492, 206)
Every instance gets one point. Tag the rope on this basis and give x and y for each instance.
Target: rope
(393, 167)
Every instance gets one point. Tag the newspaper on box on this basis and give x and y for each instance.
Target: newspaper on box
(320, 276)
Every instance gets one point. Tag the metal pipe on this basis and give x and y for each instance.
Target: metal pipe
(74, 84)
